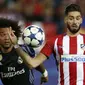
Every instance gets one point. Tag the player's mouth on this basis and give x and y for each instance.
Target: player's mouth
(74, 26)
(7, 42)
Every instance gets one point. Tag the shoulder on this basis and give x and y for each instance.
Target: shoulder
(53, 39)
(28, 49)
(82, 34)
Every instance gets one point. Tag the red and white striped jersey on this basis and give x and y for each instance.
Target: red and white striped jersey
(71, 57)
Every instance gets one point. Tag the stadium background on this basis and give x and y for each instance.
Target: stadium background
(49, 15)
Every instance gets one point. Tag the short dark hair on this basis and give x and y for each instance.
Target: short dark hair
(4, 23)
(72, 7)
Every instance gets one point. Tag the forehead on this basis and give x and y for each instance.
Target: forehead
(74, 14)
(5, 30)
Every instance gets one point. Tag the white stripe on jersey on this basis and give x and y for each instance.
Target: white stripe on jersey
(79, 42)
(66, 65)
(58, 59)
(66, 73)
(55, 49)
(79, 64)
(66, 45)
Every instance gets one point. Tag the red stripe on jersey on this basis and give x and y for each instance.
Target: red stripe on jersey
(72, 65)
(59, 44)
(60, 51)
(48, 49)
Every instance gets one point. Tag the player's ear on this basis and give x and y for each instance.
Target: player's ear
(65, 20)
(81, 20)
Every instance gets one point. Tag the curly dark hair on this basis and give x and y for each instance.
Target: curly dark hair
(4, 23)
(72, 7)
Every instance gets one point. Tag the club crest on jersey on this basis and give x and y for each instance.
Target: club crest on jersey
(82, 46)
(20, 61)
(1, 57)
(1, 63)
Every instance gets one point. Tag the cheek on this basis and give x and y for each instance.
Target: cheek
(2, 38)
(1, 41)
(79, 23)
(69, 23)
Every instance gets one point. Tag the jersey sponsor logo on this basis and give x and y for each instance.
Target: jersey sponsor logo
(12, 74)
(72, 58)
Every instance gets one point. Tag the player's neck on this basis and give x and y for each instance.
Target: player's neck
(71, 34)
(6, 50)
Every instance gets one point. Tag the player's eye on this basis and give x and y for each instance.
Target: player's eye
(78, 18)
(70, 18)
(3, 34)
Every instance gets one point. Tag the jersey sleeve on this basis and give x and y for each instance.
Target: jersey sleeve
(48, 49)
(29, 50)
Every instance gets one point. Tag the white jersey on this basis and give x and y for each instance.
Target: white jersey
(71, 57)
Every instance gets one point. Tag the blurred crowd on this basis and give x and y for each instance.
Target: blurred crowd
(38, 10)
